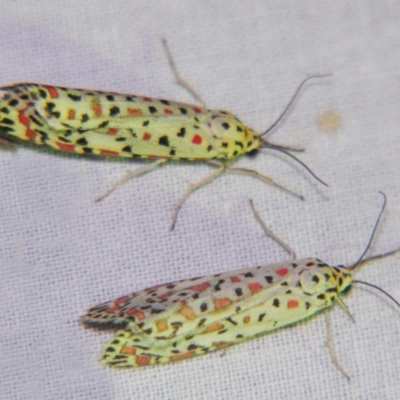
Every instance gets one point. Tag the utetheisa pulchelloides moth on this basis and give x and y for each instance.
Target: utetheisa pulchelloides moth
(105, 124)
(188, 318)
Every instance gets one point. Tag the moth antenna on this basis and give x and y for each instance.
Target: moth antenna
(279, 148)
(380, 289)
(359, 261)
(279, 119)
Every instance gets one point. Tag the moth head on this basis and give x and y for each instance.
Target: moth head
(344, 279)
(225, 126)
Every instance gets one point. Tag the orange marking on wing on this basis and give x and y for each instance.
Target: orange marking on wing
(282, 271)
(53, 92)
(134, 112)
(113, 131)
(162, 325)
(197, 110)
(201, 287)
(24, 119)
(168, 112)
(216, 326)
(109, 153)
(142, 360)
(128, 350)
(137, 313)
(235, 279)
(221, 344)
(187, 312)
(71, 114)
(221, 303)
(197, 139)
(254, 287)
(146, 136)
(65, 147)
(246, 319)
(97, 110)
(292, 304)
(147, 98)
(188, 354)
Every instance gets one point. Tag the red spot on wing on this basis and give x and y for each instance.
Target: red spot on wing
(142, 360)
(113, 131)
(71, 114)
(282, 271)
(146, 136)
(109, 153)
(220, 303)
(134, 112)
(97, 110)
(112, 309)
(168, 112)
(201, 287)
(65, 147)
(147, 99)
(197, 110)
(292, 304)
(24, 119)
(197, 139)
(235, 279)
(122, 299)
(53, 92)
(137, 313)
(254, 287)
(165, 295)
(30, 134)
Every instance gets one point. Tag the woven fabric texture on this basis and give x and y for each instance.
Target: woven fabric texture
(61, 253)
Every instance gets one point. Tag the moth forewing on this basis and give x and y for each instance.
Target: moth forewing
(107, 124)
(200, 315)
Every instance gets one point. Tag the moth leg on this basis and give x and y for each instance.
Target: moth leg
(131, 175)
(329, 345)
(271, 234)
(178, 78)
(244, 171)
(192, 188)
(345, 308)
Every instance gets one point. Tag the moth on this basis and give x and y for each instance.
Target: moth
(95, 123)
(187, 318)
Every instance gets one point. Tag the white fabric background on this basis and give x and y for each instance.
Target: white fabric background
(60, 253)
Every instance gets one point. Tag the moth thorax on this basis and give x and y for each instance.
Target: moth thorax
(317, 280)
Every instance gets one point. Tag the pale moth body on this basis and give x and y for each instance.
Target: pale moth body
(187, 318)
(106, 124)
(116, 125)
